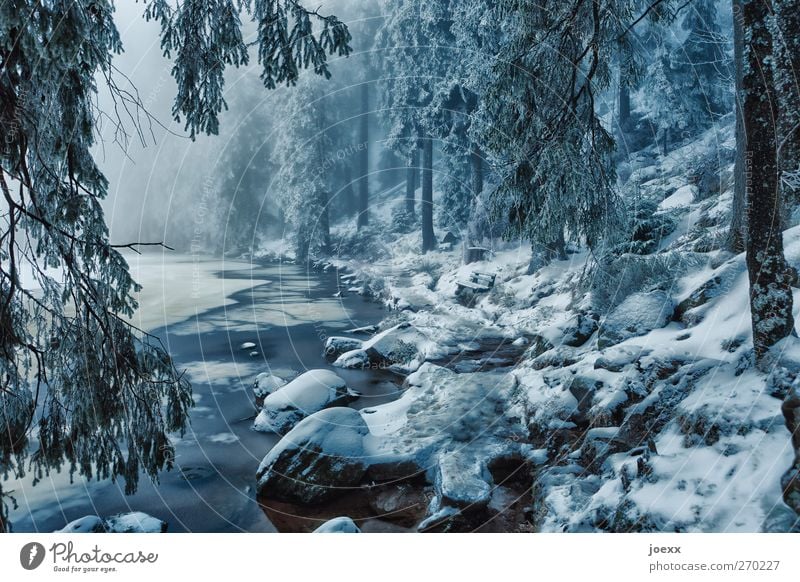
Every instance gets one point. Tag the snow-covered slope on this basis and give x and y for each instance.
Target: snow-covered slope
(626, 383)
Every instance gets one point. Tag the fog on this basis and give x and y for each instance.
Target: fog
(164, 187)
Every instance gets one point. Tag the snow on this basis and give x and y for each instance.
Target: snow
(638, 314)
(655, 422)
(336, 346)
(224, 438)
(724, 488)
(445, 420)
(341, 524)
(681, 198)
(266, 384)
(87, 524)
(357, 358)
(136, 522)
(306, 394)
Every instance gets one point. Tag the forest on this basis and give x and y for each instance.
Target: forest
(461, 265)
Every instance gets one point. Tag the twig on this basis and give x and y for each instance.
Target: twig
(132, 246)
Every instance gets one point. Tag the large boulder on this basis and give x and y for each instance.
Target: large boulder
(396, 345)
(321, 457)
(308, 393)
(638, 315)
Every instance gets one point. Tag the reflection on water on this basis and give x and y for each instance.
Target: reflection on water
(204, 310)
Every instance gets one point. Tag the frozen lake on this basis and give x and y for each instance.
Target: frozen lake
(203, 310)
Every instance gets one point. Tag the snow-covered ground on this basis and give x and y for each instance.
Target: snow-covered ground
(634, 399)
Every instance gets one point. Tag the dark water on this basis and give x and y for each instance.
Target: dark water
(212, 487)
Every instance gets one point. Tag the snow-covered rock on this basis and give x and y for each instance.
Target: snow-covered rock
(134, 522)
(87, 524)
(449, 427)
(638, 314)
(402, 346)
(397, 345)
(246, 346)
(319, 458)
(578, 329)
(335, 346)
(462, 481)
(681, 198)
(265, 385)
(341, 524)
(353, 359)
(303, 396)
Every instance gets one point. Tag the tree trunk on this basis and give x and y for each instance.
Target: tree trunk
(624, 104)
(770, 291)
(787, 75)
(325, 221)
(348, 192)
(412, 170)
(735, 241)
(363, 159)
(428, 237)
(624, 89)
(476, 165)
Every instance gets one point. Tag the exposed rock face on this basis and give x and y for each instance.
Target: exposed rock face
(321, 457)
(637, 315)
(400, 503)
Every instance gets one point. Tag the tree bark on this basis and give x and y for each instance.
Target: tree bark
(363, 159)
(735, 241)
(325, 221)
(476, 165)
(770, 290)
(412, 170)
(624, 104)
(428, 237)
(787, 77)
(348, 192)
